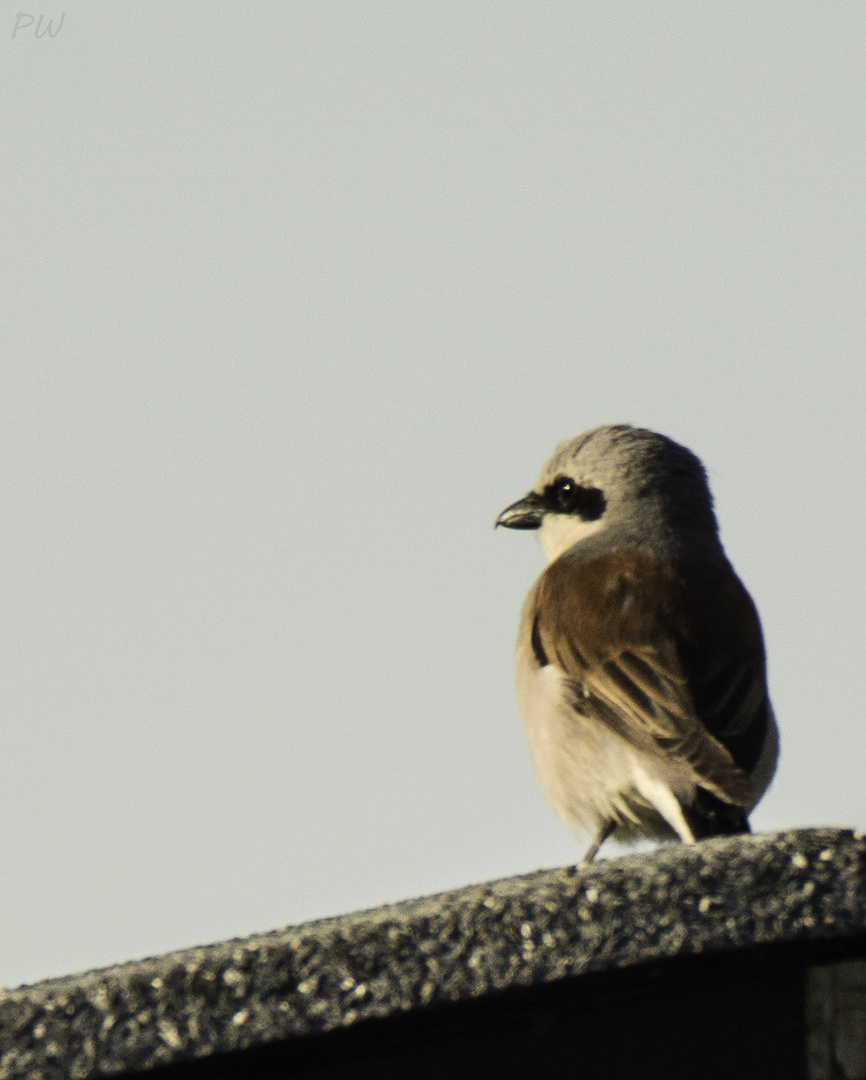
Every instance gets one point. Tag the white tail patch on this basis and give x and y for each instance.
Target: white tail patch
(657, 792)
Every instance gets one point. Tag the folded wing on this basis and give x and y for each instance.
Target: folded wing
(670, 657)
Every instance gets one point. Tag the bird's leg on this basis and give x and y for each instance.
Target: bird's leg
(604, 831)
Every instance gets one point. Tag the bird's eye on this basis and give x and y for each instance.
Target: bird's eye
(566, 496)
(566, 492)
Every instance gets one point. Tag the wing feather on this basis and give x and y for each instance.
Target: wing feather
(669, 657)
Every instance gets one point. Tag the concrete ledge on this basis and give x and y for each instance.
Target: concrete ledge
(723, 896)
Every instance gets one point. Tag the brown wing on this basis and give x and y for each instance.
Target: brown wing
(669, 656)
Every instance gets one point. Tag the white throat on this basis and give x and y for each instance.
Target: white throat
(559, 532)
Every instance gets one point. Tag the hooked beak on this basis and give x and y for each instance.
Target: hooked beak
(526, 513)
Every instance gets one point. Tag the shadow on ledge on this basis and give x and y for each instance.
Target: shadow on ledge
(737, 957)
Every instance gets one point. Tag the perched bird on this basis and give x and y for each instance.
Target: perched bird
(641, 675)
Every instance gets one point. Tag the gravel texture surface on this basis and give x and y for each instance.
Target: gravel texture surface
(720, 895)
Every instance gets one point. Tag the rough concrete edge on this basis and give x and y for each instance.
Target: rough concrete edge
(721, 895)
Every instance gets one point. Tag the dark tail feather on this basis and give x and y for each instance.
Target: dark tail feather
(709, 816)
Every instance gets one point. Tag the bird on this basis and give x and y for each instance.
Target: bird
(640, 667)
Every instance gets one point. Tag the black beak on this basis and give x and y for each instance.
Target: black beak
(526, 513)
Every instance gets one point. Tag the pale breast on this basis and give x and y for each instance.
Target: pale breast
(589, 774)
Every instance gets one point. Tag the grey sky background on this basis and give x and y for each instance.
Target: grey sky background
(296, 297)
